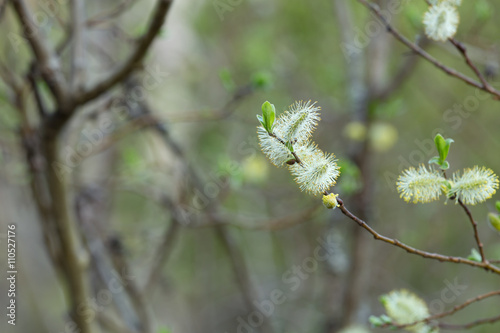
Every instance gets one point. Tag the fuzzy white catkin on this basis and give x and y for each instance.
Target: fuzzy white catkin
(277, 152)
(420, 185)
(317, 172)
(474, 186)
(299, 122)
(294, 126)
(441, 21)
(404, 307)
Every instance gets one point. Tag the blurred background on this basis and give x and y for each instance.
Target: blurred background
(185, 225)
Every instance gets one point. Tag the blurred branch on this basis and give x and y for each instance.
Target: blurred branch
(74, 258)
(143, 45)
(105, 17)
(458, 260)
(450, 71)
(90, 205)
(111, 323)
(138, 298)
(164, 250)
(31, 76)
(404, 72)
(77, 75)
(3, 6)
(49, 63)
(227, 110)
(236, 257)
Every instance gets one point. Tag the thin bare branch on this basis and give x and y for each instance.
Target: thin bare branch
(407, 68)
(78, 28)
(454, 310)
(111, 14)
(164, 250)
(48, 62)
(226, 111)
(472, 324)
(474, 227)
(458, 260)
(134, 60)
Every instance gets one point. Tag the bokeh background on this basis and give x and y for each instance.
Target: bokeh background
(201, 206)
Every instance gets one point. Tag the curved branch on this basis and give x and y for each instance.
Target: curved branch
(160, 13)
(467, 326)
(49, 63)
(474, 227)
(458, 260)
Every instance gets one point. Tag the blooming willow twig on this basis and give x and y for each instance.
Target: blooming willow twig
(454, 310)
(450, 71)
(415, 185)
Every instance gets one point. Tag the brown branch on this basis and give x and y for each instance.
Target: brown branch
(404, 72)
(467, 326)
(3, 6)
(78, 27)
(474, 227)
(73, 257)
(109, 15)
(48, 62)
(226, 111)
(443, 258)
(454, 310)
(160, 13)
(31, 77)
(450, 71)
(463, 50)
(164, 250)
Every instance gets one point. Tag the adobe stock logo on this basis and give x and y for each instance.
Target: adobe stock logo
(448, 295)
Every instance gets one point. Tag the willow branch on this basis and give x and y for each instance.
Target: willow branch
(474, 227)
(454, 310)
(164, 250)
(467, 326)
(443, 258)
(450, 71)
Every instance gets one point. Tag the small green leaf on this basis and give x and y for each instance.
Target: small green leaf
(386, 319)
(440, 146)
(474, 256)
(269, 114)
(445, 165)
(289, 146)
(435, 160)
(494, 221)
(259, 117)
(443, 146)
(483, 10)
(261, 80)
(227, 80)
(497, 205)
(164, 330)
(376, 321)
